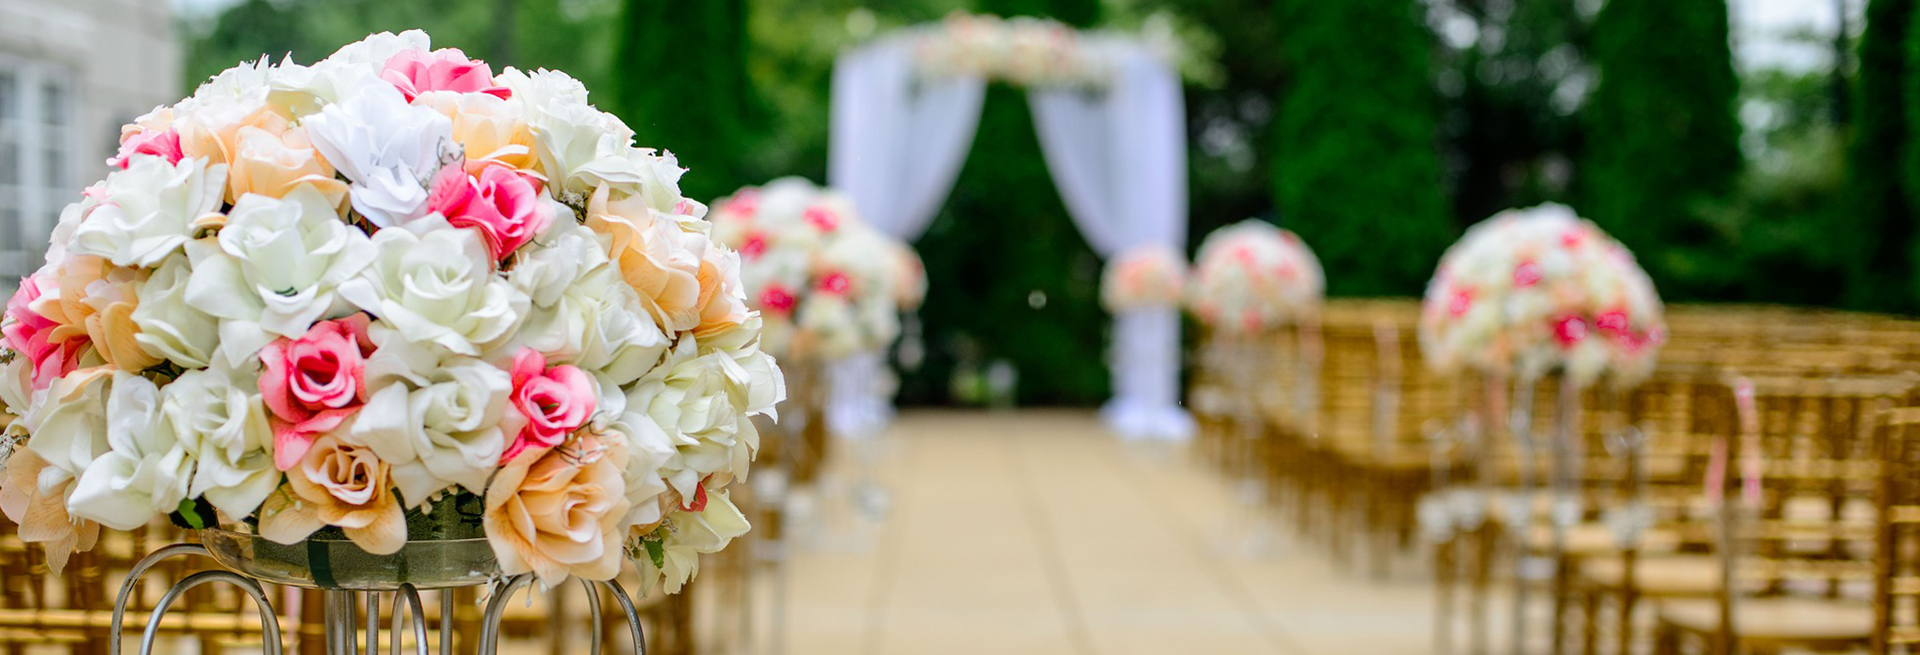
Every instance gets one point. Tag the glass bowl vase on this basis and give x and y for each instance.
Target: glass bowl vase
(320, 563)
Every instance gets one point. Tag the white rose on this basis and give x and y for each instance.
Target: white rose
(149, 209)
(582, 148)
(69, 425)
(693, 534)
(698, 401)
(542, 87)
(622, 342)
(170, 326)
(438, 426)
(555, 262)
(387, 148)
(648, 449)
(565, 277)
(16, 387)
(145, 471)
(278, 266)
(219, 418)
(438, 287)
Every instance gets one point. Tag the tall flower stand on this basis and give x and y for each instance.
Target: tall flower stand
(351, 585)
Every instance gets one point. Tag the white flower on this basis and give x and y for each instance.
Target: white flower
(542, 87)
(16, 387)
(438, 425)
(565, 276)
(69, 424)
(277, 269)
(582, 148)
(387, 148)
(170, 325)
(438, 287)
(144, 473)
(219, 418)
(622, 342)
(701, 402)
(648, 449)
(148, 210)
(693, 534)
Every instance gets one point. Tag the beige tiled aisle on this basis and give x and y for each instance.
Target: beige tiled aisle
(1037, 532)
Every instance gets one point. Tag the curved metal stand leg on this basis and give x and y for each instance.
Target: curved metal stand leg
(593, 612)
(633, 617)
(133, 580)
(408, 599)
(490, 624)
(269, 621)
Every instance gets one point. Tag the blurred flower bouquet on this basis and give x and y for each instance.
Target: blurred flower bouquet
(1146, 276)
(827, 284)
(1532, 291)
(1252, 276)
(382, 293)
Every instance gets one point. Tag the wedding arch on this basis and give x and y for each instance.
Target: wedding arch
(1111, 123)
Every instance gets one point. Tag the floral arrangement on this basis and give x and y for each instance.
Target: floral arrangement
(1252, 276)
(1530, 291)
(1021, 50)
(909, 276)
(1145, 276)
(333, 300)
(824, 282)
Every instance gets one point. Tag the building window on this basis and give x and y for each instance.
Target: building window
(38, 111)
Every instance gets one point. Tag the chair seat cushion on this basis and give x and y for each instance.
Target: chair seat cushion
(1656, 575)
(1777, 620)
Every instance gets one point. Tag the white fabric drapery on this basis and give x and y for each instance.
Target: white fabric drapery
(1120, 161)
(1117, 154)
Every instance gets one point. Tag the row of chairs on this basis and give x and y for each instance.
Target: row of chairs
(1768, 458)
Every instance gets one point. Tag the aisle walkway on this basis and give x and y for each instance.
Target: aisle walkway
(1037, 533)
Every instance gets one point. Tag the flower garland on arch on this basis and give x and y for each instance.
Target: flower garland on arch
(1537, 290)
(1046, 53)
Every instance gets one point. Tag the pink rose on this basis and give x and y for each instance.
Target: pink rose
(1569, 331)
(313, 383)
(502, 204)
(52, 350)
(836, 283)
(164, 143)
(754, 246)
(1526, 274)
(415, 72)
(777, 300)
(821, 218)
(553, 401)
(1615, 322)
(743, 205)
(1461, 302)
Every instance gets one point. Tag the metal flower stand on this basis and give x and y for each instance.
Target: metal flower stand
(342, 610)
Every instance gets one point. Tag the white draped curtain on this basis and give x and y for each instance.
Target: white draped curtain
(1117, 154)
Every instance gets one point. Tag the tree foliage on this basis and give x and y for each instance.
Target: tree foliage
(1662, 141)
(1356, 166)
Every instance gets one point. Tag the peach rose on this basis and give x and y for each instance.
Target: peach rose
(342, 485)
(42, 513)
(97, 300)
(653, 258)
(722, 305)
(487, 127)
(556, 512)
(271, 164)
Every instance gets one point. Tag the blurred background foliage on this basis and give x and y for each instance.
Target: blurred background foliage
(1378, 129)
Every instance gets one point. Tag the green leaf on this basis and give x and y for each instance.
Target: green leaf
(193, 514)
(656, 551)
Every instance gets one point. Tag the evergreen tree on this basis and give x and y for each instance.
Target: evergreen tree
(1662, 140)
(681, 84)
(1882, 228)
(1011, 277)
(1356, 167)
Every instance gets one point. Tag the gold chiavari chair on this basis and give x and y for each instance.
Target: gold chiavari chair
(1796, 533)
(1896, 606)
